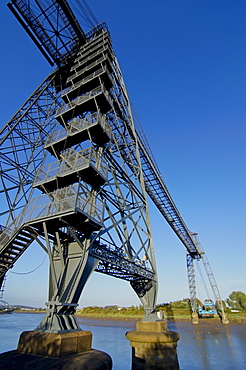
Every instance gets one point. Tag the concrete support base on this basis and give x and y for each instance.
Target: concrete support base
(53, 351)
(194, 318)
(153, 346)
(224, 319)
(91, 360)
(54, 344)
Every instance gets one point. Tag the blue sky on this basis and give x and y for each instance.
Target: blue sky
(184, 64)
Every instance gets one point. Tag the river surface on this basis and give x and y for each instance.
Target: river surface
(201, 347)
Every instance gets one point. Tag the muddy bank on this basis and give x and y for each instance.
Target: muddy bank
(107, 321)
(171, 323)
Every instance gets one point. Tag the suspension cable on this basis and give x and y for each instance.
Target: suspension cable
(85, 12)
(203, 280)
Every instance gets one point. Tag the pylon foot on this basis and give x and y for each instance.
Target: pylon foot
(153, 346)
(225, 319)
(54, 344)
(194, 318)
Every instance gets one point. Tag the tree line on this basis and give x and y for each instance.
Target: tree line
(236, 301)
(112, 310)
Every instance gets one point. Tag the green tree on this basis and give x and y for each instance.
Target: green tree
(237, 301)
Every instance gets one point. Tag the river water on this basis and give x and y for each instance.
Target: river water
(201, 347)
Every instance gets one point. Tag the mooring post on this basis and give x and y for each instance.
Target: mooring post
(153, 346)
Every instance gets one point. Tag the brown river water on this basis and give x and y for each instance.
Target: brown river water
(201, 347)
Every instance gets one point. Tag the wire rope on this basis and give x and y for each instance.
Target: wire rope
(203, 281)
(85, 12)
(29, 272)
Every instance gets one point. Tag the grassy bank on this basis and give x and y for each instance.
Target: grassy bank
(137, 313)
(109, 317)
(237, 318)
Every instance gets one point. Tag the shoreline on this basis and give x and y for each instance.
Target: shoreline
(172, 320)
(207, 321)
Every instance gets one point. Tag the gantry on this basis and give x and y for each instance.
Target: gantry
(76, 172)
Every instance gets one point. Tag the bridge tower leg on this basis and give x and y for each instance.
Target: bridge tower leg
(211, 279)
(153, 346)
(192, 288)
(81, 183)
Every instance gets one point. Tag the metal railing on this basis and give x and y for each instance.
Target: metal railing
(82, 59)
(85, 79)
(100, 26)
(83, 98)
(86, 67)
(77, 125)
(84, 53)
(67, 200)
(72, 199)
(71, 163)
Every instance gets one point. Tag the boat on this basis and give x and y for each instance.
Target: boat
(208, 309)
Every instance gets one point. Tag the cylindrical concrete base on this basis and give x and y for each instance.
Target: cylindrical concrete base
(153, 347)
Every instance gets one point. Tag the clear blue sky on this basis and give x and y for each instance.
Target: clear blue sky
(184, 64)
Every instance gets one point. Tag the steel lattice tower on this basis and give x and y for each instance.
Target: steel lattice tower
(75, 173)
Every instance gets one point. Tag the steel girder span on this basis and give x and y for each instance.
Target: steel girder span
(75, 172)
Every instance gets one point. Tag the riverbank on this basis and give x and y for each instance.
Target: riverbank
(238, 320)
(235, 319)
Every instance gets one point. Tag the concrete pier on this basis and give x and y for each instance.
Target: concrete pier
(63, 351)
(54, 344)
(153, 346)
(194, 318)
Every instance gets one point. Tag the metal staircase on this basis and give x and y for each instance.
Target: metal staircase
(13, 246)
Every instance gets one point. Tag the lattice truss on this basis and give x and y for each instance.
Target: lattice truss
(52, 26)
(74, 140)
(22, 140)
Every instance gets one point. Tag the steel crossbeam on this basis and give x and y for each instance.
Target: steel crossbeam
(161, 197)
(115, 264)
(53, 28)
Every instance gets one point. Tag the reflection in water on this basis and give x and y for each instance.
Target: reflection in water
(212, 346)
(202, 350)
(169, 317)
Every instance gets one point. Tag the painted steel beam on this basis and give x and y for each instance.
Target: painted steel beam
(53, 28)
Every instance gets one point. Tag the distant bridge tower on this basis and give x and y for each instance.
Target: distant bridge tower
(75, 173)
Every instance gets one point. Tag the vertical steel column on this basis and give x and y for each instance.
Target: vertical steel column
(192, 287)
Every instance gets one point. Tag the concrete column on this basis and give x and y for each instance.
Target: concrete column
(153, 346)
